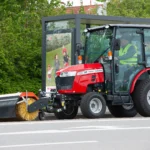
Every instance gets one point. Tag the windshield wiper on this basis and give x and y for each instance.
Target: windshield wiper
(102, 54)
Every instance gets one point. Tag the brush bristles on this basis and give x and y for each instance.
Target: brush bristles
(22, 112)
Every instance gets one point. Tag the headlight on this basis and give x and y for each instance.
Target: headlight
(68, 74)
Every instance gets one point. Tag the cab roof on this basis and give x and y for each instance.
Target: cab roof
(120, 25)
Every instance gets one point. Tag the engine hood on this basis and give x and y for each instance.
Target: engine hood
(80, 67)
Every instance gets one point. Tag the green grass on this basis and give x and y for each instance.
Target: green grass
(50, 60)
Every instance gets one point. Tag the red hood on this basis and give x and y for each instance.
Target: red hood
(80, 67)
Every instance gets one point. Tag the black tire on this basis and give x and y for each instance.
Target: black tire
(69, 113)
(86, 102)
(41, 115)
(140, 98)
(120, 111)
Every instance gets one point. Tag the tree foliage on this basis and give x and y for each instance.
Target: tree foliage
(128, 8)
(20, 42)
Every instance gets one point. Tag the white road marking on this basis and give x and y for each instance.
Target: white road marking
(92, 127)
(75, 129)
(34, 132)
(110, 129)
(74, 121)
(45, 144)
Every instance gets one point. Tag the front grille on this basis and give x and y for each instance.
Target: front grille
(64, 83)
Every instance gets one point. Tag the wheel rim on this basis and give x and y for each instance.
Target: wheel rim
(69, 110)
(148, 97)
(128, 107)
(95, 105)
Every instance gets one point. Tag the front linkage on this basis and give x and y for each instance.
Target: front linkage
(50, 102)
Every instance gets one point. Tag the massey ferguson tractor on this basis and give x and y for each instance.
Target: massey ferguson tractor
(113, 71)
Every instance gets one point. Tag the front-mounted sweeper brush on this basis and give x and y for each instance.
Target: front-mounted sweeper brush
(23, 106)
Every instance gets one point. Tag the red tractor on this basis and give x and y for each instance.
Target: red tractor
(105, 79)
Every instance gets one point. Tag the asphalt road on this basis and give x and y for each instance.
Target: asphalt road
(78, 134)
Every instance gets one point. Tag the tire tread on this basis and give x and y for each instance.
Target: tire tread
(140, 99)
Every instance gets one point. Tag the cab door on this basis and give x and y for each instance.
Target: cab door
(147, 46)
(125, 71)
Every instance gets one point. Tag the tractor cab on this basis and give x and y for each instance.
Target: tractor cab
(122, 51)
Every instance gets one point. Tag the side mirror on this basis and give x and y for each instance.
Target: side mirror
(82, 51)
(117, 44)
(79, 48)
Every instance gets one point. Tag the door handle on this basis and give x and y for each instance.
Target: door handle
(117, 68)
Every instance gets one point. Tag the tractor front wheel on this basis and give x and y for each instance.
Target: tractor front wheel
(93, 105)
(69, 113)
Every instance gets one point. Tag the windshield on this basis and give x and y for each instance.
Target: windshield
(97, 42)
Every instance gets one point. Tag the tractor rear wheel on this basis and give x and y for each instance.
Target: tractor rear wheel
(141, 98)
(69, 113)
(122, 110)
(22, 112)
(93, 105)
